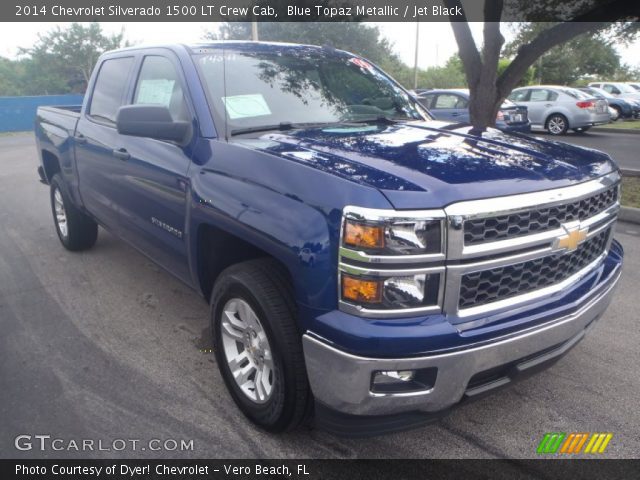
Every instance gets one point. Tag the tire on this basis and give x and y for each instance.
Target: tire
(581, 129)
(76, 230)
(261, 286)
(619, 113)
(557, 124)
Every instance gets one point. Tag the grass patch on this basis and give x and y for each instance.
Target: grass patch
(627, 124)
(631, 192)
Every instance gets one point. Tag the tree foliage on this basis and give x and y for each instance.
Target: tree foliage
(61, 61)
(585, 56)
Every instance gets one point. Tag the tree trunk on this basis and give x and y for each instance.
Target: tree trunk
(487, 91)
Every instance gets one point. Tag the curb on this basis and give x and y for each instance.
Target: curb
(629, 214)
(630, 172)
(635, 131)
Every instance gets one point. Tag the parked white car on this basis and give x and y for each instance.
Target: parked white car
(634, 85)
(619, 89)
(558, 109)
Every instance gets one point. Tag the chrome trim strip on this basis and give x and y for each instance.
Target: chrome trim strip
(458, 213)
(516, 203)
(405, 272)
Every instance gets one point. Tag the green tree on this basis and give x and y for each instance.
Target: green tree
(62, 60)
(11, 73)
(451, 75)
(584, 56)
(358, 38)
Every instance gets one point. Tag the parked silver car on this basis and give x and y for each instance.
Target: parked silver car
(618, 89)
(558, 109)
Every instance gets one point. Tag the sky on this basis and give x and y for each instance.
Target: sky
(437, 43)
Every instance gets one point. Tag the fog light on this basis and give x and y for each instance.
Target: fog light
(403, 381)
(393, 376)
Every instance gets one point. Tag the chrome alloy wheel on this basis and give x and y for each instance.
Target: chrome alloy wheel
(61, 213)
(557, 125)
(247, 350)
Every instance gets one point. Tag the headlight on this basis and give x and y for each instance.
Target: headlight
(383, 233)
(391, 262)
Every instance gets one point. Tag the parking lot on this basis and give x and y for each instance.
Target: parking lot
(105, 345)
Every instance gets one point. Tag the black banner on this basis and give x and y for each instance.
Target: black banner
(319, 469)
(315, 10)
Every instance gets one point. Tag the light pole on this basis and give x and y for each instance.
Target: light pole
(254, 31)
(415, 62)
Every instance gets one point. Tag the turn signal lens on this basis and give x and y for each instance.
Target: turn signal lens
(363, 236)
(362, 291)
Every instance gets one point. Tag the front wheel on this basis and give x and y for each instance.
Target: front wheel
(557, 124)
(257, 344)
(76, 230)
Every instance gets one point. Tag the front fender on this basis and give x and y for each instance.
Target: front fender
(289, 210)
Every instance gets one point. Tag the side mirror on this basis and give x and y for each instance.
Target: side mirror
(152, 121)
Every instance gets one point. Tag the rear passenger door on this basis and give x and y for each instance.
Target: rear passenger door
(96, 137)
(450, 107)
(154, 177)
(539, 104)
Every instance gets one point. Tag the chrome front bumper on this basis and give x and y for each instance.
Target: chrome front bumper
(342, 381)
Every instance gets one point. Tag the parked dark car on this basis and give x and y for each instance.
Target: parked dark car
(452, 105)
(624, 108)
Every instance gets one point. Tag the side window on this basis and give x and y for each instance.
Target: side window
(538, 95)
(519, 96)
(159, 84)
(552, 96)
(108, 93)
(446, 100)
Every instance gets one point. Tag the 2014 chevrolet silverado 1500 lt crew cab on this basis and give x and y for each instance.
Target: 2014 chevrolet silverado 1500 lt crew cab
(366, 265)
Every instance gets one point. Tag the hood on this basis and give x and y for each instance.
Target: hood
(443, 160)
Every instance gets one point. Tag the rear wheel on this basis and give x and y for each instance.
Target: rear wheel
(557, 124)
(257, 344)
(618, 113)
(76, 230)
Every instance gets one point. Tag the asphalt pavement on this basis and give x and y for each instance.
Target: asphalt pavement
(103, 345)
(623, 147)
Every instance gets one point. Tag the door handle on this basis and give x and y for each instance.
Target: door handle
(122, 154)
(455, 114)
(549, 105)
(79, 138)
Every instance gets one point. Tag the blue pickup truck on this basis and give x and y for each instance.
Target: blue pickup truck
(366, 266)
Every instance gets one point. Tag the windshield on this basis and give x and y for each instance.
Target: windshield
(300, 86)
(625, 88)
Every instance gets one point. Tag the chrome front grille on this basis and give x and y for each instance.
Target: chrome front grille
(507, 251)
(486, 286)
(501, 227)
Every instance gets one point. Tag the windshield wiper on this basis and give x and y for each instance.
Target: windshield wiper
(282, 126)
(379, 119)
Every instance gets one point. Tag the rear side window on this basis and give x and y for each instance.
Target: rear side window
(111, 84)
(159, 84)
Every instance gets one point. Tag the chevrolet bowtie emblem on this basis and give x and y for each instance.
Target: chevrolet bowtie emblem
(574, 236)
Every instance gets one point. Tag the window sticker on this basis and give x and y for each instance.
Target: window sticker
(361, 63)
(156, 91)
(245, 106)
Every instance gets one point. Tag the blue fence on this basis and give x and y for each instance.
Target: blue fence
(18, 113)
